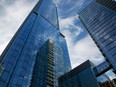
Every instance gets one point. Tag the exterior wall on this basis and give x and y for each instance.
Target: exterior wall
(43, 74)
(81, 76)
(49, 65)
(88, 78)
(71, 82)
(101, 68)
(85, 78)
(111, 4)
(99, 21)
(19, 57)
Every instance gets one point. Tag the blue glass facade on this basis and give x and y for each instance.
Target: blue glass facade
(99, 18)
(101, 68)
(81, 76)
(43, 74)
(18, 61)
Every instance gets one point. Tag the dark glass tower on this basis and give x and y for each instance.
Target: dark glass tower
(81, 76)
(99, 18)
(37, 54)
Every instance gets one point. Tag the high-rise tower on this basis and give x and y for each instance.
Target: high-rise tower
(37, 47)
(99, 18)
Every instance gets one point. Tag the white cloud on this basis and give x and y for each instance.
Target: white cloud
(11, 19)
(110, 74)
(76, 4)
(65, 23)
(67, 26)
(57, 1)
(83, 49)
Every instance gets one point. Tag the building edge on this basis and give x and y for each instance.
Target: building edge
(37, 6)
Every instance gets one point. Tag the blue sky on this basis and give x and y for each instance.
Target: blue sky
(80, 45)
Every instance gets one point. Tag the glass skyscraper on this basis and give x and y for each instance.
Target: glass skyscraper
(99, 18)
(37, 54)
